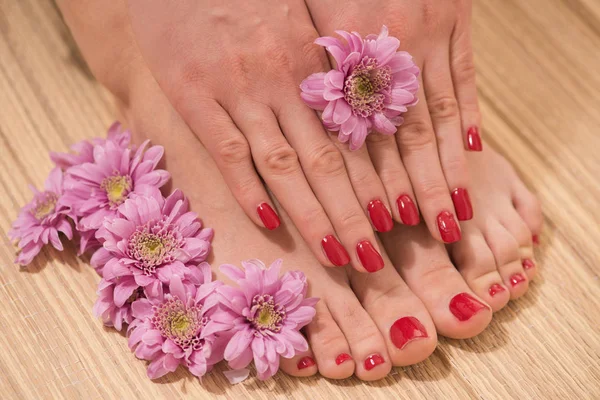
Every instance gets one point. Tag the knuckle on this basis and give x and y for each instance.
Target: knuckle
(416, 134)
(433, 191)
(310, 218)
(234, 151)
(456, 165)
(281, 160)
(364, 179)
(326, 160)
(350, 221)
(464, 68)
(392, 176)
(443, 107)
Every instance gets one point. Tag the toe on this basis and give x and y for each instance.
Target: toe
(518, 228)
(302, 364)
(528, 206)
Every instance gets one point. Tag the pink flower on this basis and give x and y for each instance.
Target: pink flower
(264, 315)
(112, 307)
(151, 238)
(40, 221)
(96, 189)
(84, 150)
(176, 328)
(370, 88)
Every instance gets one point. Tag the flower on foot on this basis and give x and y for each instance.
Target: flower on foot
(263, 316)
(40, 221)
(175, 328)
(369, 89)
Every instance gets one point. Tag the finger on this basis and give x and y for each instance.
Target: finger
(418, 149)
(385, 157)
(324, 168)
(443, 109)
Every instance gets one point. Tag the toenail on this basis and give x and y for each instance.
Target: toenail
(406, 330)
(528, 264)
(464, 306)
(380, 216)
(535, 239)
(342, 358)
(335, 252)
(448, 227)
(369, 257)
(473, 139)
(373, 361)
(495, 289)
(408, 211)
(305, 362)
(462, 204)
(516, 279)
(268, 216)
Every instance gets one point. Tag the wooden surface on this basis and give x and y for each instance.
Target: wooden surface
(538, 67)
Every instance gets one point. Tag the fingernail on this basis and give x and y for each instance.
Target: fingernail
(448, 227)
(380, 216)
(406, 330)
(335, 252)
(528, 264)
(535, 239)
(462, 204)
(305, 362)
(473, 139)
(516, 279)
(408, 211)
(369, 257)
(464, 306)
(268, 217)
(495, 289)
(342, 358)
(373, 361)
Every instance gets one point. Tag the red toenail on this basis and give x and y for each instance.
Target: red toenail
(464, 306)
(406, 330)
(305, 362)
(380, 216)
(462, 204)
(516, 279)
(535, 239)
(268, 216)
(408, 211)
(373, 361)
(342, 358)
(495, 289)
(369, 257)
(473, 139)
(448, 227)
(335, 252)
(528, 264)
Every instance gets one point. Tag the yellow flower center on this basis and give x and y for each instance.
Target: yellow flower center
(117, 188)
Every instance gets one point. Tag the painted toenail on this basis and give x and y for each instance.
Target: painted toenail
(342, 358)
(268, 216)
(535, 239)
(335, 252)
(464, 306)
(369, 257)
(305, 362)
(462, 204)
(473, 139)
(408, 211)
(406, 330)
(495, 289)
(448, 227)
(373, 361)
(516, 279)
(380, 216)
(528, 264)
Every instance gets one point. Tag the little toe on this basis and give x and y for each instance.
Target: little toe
(528, 206)
(518, 228)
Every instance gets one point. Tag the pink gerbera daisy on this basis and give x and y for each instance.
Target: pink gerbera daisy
(264, 315)
(370, 88)
(176, 329)
(40, 221)
(112, 306)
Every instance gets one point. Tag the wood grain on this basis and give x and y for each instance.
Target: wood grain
(537, 63)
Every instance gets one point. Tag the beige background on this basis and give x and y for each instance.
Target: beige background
(538, 66)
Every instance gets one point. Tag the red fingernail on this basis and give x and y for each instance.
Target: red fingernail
(268, 217)
(406, 330)
(373, 361)
(462, 204)
(305, 362)
(448, 227)
(342, 358)
(535, 239)
(473, 139)
(495, 289)
(408, 211)
(464, 306)
(516, 279)
(528, 264)
(380, 216)
(369, 257)
(335, 252)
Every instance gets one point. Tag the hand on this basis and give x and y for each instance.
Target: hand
(425, 159)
